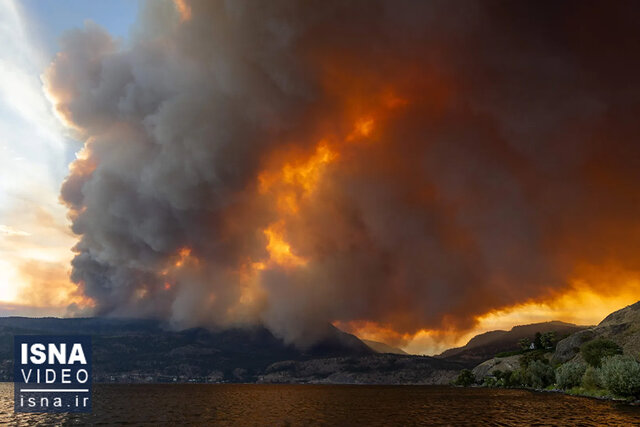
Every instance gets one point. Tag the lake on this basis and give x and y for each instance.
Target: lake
(273, 405)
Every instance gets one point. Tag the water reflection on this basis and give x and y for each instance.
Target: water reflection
(236, 404)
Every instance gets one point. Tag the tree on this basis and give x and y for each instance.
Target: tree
(514, 379)
(621, 375)
(508, 378)
(537, 341)
(524, 343)
(530, 356)
(465, 378)
(591, 379)
(540, 374)
(570, 375)
(594, 351)
(548, 340)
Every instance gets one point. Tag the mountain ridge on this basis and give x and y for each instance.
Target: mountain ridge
(484, 346)
(147, 348)
(138, 350)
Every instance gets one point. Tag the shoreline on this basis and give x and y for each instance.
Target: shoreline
(536, 390)
(630, 402)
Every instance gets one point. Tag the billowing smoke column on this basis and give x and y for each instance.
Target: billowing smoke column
(410, 164)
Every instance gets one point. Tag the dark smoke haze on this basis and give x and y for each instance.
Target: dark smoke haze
(502, 163)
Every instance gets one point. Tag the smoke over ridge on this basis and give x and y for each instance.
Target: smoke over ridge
(410, 164)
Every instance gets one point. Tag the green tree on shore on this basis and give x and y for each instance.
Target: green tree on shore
(539, 374)
(570, 375)
(621, 375)
(594, 351)
(465, 378)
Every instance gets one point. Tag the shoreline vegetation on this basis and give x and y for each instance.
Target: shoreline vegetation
(601, 362)
(599, 370)
(575, 392)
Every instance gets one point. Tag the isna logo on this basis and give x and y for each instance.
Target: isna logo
(52, 373)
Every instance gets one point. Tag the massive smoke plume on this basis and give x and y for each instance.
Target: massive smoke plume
(411, 164)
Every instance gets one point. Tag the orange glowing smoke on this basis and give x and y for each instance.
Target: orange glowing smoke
(279, 250)
(184, 9)
(183, 256)
(405, 177)
(294, 181)
(581, 304)
(307, 174)
(296, 178)
(362, 128)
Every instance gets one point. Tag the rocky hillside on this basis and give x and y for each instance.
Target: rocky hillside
(622, 327)
(488, 367)
(571, 366)
(485, 346)
(374, 369)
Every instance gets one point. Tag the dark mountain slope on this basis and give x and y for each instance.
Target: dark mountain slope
(133, 349)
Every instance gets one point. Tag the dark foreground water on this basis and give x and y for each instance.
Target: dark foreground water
(273, 405)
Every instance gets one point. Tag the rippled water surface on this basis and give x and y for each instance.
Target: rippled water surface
(246, 405)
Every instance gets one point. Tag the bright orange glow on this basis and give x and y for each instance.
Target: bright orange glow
(296, 179)
(424, 341)
(307, 174)
(300, 174)
(581, 305)
(279, 250)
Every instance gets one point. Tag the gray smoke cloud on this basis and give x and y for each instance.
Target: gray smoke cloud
(502, 159)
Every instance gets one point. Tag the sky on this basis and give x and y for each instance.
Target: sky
(35, 239)
(412, 173)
